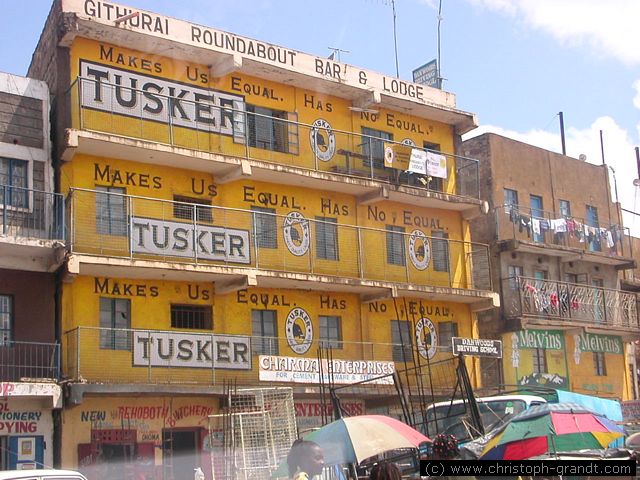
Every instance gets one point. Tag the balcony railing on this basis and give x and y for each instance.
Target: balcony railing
(570, 302)
(207, 358)
(233, 131)
(20, 360)
(115, 225)
(31, 213)
(554, 229)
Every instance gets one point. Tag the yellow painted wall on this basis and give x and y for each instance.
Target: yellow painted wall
(148, 415)
(300, 105)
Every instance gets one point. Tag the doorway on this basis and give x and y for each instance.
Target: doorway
(180, 452)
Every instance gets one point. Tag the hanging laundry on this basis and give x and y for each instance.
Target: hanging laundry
(544, 225)
(571, 226)
(535, 223)
(610, 242)
(561, 225)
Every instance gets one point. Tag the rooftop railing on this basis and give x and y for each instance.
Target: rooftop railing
(571, 302)
(223, 123)
(31, 213)
(556, 229)
(116, 225)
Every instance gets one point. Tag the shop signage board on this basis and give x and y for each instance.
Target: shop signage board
(477, 347)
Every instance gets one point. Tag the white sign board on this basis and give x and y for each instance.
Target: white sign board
(418, 161)
(436, 165)
(306, 370)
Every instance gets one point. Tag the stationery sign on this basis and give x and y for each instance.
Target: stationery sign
(477, 347)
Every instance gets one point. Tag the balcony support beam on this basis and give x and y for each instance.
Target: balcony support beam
(375, 196)
(376, 297)
(229, 64)
(369, 99)
(239, 172)
(236, 284)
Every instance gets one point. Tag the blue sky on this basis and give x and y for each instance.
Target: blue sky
(515, 63)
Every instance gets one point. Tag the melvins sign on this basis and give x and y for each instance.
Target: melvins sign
(123, 92)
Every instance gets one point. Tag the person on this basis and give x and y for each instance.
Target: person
(385, 471)
(305, 460)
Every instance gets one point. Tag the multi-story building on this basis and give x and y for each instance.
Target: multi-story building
(31, 251)
(233, 205)
(557, 249)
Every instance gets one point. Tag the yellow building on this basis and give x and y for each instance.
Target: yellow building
(232, 207)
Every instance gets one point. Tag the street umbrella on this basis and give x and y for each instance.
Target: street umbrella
(550, 428)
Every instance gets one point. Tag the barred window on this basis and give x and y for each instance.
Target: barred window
(440, 251)
(268, 129)
(327, 238)
(331, 331)
(184, 207)
(265, 227)
(14, 181)
(111, 211)
(265, 333)
(196, 317)
(446, 331)
(395, 245)
(373, 148)
(599, 364)
(6, 319)
(115, 323)
(402, 341)
(539, 360)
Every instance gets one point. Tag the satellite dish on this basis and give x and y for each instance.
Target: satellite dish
(582, 157)
(636, 182)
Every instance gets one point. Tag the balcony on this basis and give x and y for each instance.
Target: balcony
(31, 229)
(138, 357)
(571, 238)
(569, 305)
(173, 240)
(221, 140)
(20, 361)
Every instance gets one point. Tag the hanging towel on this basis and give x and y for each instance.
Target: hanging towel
(610, 242)
(535, 224)
(561, 225)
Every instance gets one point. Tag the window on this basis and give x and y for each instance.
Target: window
(537, 212)
(395, 245)
(373, 148)
(327, 238)
(599, 364)
(265, 341)
(402, 341)
(592, 236)
(539, 360)
(440, 251)
(580, 278)
(264, 226)
(6, 319)
(331, 331)
(115, 323)
(435, 183)
(510, 197)
(268, 129)
(447, 330)
(565, 208)
(184, 211)
(111, 212)
(14, 173)
(515, 271)
(197, 317)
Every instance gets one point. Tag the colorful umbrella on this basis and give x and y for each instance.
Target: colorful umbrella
(550, 428)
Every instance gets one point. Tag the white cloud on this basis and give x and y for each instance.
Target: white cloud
(619, 152)
(608, 27)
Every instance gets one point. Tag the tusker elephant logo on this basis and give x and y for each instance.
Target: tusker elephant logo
(323, 140)
(296, 233)
(426, 338)
(419, 250)
(299, 330)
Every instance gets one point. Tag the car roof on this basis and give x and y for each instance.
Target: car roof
(17, 474)
(530, 398)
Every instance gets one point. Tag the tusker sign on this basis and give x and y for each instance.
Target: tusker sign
(131, 94)
(169, 349)
(175, 239)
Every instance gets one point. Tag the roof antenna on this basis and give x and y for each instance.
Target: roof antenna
(395, 37)
(439, 64)
(335, 54)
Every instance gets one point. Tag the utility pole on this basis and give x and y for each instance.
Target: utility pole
(564, 148)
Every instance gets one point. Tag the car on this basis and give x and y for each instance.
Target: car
(43, 474)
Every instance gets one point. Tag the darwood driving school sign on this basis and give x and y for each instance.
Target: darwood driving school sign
(476, 347)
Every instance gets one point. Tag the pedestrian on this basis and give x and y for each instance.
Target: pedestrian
(385, 471)
(305, 460)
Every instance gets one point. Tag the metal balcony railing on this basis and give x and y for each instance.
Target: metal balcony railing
(207, 358)
(31, 213)
(116, 225)
(554, 229)
(233, 131)
(570, 302)
(20, 360)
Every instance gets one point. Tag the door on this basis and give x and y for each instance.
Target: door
(180, 453)
(592, 233)
(537, 214)
(26, 452)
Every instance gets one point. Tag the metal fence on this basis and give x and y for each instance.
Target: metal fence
(279, 138)
(111, 224)
(31, 213)
(185, 357)
(20, 360)
(569, 301)
(556, 229)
